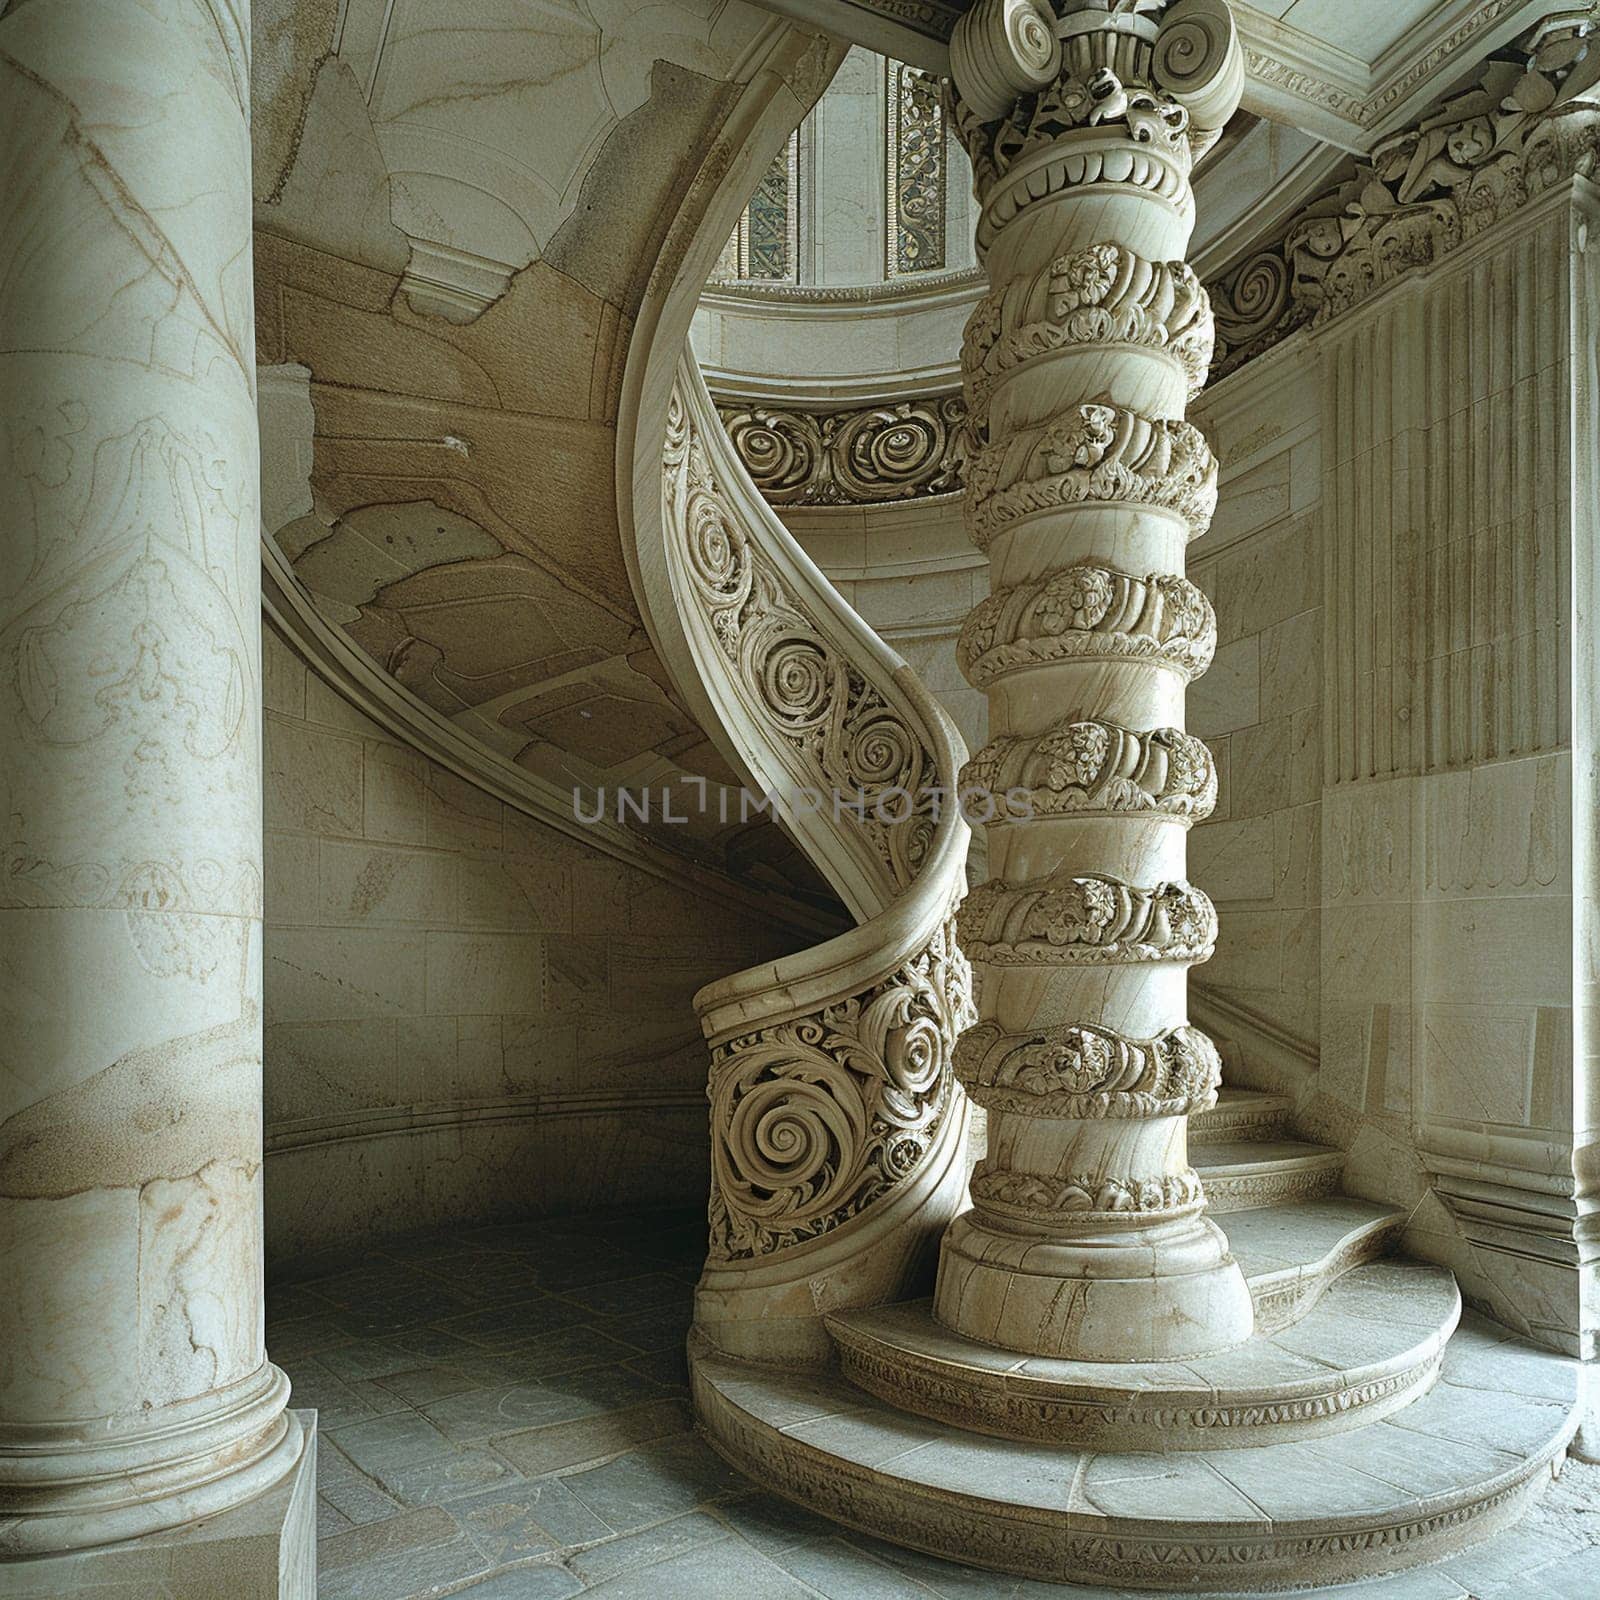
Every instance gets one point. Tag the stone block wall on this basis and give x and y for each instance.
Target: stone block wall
(469, 1014)
(1259, 707)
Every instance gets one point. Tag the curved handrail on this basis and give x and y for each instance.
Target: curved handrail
(837, 1126)
(838, 1129)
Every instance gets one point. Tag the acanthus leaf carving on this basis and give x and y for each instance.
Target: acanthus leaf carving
(1094, 453)
(1530, 122)
(1101, 294)
(1087, 1195)
(1065, 918)
(1087, 1071)
(1086, 766)
(1089, 611)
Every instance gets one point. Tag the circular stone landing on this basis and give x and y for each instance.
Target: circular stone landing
(1457, 1465)
(1370, 1346)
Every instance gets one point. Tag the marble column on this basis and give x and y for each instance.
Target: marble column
(135, 1393)
(1087, 1236)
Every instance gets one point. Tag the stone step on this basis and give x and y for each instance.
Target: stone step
(1458, 1464)
(1292, 1254)
(1242, 1174)
(1240, 1114)
(1369, 1347)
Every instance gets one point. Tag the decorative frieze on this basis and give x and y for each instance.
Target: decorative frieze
(1530, 122)
(914, 162)
(1088, 768)
(1087, 1196)
(862, 456)
(1089, 612)
(1092, 454)
(1065, 918)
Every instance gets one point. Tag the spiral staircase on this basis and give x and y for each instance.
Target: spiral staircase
(1362, 1422)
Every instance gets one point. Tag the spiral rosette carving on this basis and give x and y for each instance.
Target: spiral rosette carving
(814, 1119)
(1087, 768)
(847, 739)
(783, 451)
(1089, 612)
(1093, 454)
(868, 455)
(1102, 294)
(1254, 306)
(1087, 1197)
(1084, 1071)
(1065, 919)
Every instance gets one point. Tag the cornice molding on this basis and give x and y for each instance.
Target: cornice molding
(1291, 76)
(1529, 123)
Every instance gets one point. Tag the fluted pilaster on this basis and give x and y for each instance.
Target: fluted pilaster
(1087, 1236)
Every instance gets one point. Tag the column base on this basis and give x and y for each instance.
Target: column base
(1146, 1294)
(265, 1549)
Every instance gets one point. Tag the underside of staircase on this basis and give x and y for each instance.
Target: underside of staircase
(1368, 1425)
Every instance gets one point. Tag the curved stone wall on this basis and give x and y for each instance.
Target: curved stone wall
(469, 1014)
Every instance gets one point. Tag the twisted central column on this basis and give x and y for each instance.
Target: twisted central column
(1087, 1237)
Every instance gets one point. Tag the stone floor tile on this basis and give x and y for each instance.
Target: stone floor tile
(654, 1482)
(663, 1328)
(404, 1534)
(656, 1543)
(349, 1490)
(607, 1388)
(411, 1576)
(771, 1524)
(482, 1413)
(432, 1482)
(947, 1579)
(368, 1358)
(539, 1581)
(727, 1570)
(841, 1572)
(305, 1337)
(588, 1439)
(337, 1405)
(330, 1520)
(1574, 1577)
(1498, 1568)
(419, 1386)
(503, 1327)
(290, 1301)
(670, 1368)
(527, 1517)
(390, 1442)
(628, 1295)
(568, 1350)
